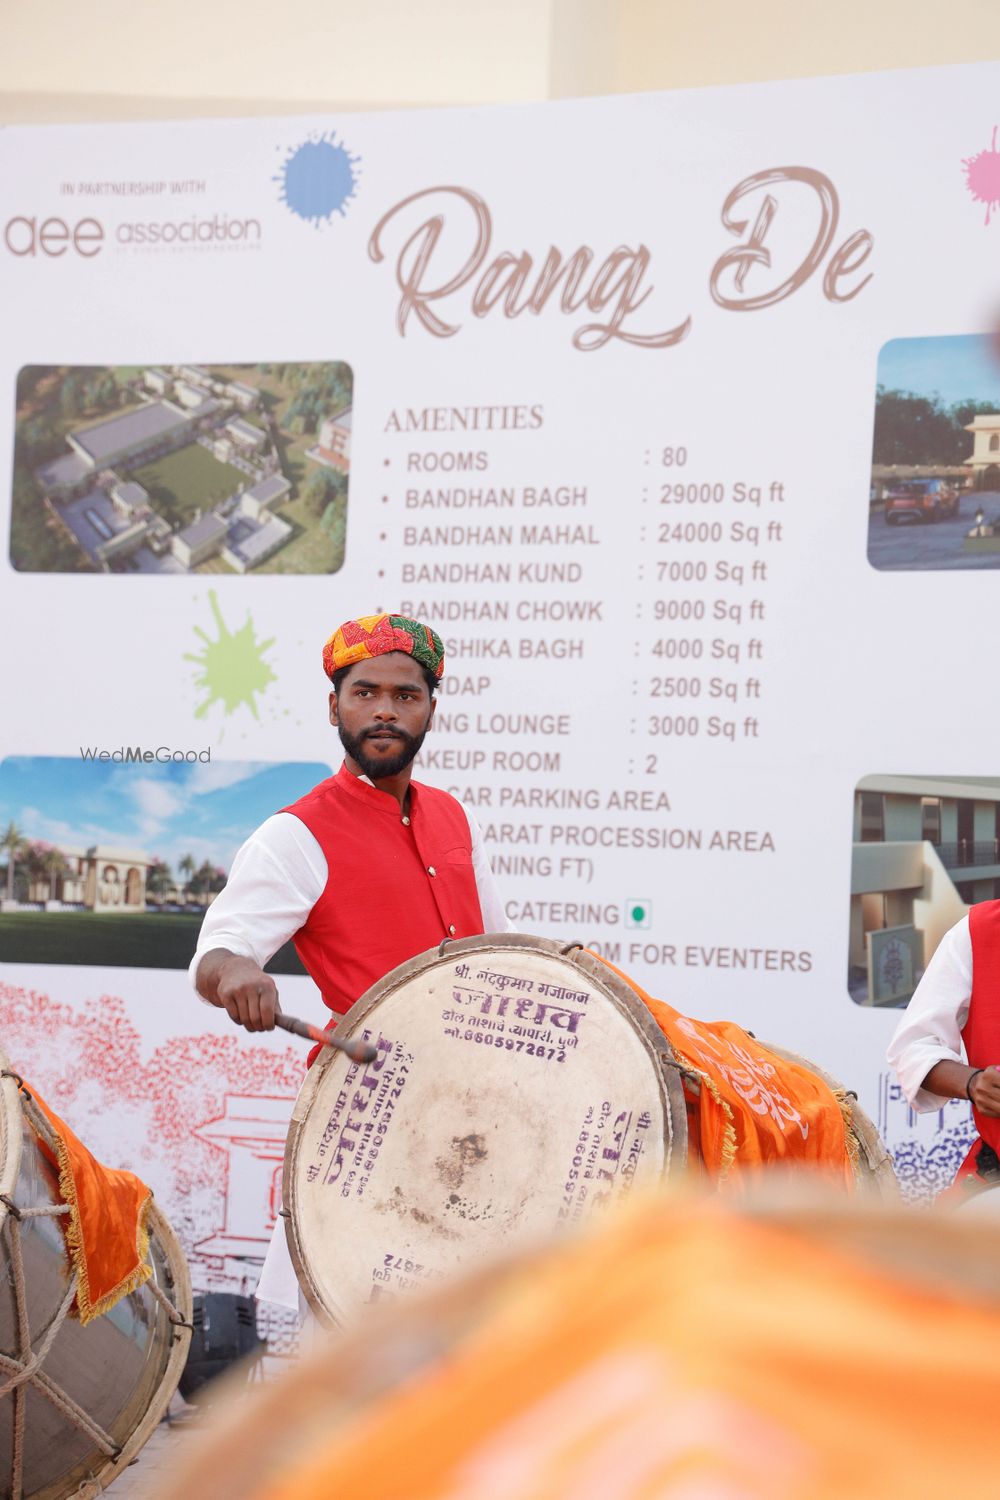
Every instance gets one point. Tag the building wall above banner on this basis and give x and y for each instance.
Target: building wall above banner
(389, 54)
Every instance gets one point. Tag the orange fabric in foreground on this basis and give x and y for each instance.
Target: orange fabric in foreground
(683, 1352)
(106, 1237)
(755, 1109)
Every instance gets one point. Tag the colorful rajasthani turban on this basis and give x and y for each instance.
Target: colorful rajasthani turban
(375, 635)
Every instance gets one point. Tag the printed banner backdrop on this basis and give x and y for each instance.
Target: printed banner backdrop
(630, 398)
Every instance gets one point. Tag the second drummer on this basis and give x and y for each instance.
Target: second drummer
(369, 868)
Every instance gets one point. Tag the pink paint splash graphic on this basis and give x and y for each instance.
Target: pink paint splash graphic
(982, 176)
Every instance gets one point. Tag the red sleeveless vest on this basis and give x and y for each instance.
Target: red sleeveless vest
(981, 1033)
(395, 886)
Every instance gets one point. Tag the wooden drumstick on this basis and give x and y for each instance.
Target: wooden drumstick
(357, 1051)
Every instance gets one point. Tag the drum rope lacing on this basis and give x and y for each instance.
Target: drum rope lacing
(691, 1074)
(173, 1316)
(27, 1368)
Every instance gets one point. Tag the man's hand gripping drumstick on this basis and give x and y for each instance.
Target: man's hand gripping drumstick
(240, 987)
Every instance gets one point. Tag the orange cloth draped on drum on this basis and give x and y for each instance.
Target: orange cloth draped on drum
(683, 1350)
(106, 1238)
(755, 1109)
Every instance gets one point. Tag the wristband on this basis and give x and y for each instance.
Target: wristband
(968, 1082)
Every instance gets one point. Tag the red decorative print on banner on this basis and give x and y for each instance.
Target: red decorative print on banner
(202, 1119)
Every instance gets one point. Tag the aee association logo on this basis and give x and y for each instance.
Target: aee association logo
(28, 236)
(318, 178)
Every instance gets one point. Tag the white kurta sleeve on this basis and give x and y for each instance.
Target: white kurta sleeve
(931, 1027)
(495, 919)
(278, 875)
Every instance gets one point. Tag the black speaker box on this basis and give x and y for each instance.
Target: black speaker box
(225, 1332)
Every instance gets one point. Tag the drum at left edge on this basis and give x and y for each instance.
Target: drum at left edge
(99, 1391)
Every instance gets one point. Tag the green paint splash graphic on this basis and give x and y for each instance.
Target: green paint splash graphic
(233, 668)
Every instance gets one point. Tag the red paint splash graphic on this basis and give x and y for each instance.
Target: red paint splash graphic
(982, 176)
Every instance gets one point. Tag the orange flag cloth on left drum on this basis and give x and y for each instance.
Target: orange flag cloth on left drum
(107, 1238)
(755, 1109)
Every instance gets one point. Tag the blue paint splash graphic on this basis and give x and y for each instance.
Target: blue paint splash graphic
(318, 179)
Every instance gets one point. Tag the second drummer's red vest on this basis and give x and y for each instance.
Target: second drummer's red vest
(395, 886)
(981, 1033)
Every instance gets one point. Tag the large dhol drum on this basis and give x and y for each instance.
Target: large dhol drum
(517, 1088)
(76, 1403)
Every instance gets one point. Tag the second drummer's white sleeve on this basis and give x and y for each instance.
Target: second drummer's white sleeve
(495, 919)
(278, 875)
(931, 1028)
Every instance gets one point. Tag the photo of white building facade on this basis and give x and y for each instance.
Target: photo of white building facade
(925, 849)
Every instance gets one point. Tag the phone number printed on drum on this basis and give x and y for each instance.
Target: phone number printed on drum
(607, 1153)
(512, 1044)
(399, 1273)
(360, 1120)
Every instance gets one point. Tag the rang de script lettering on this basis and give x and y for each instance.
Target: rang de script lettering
(612, 287)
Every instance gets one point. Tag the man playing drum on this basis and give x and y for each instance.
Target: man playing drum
(363, 872)
(947, 1045)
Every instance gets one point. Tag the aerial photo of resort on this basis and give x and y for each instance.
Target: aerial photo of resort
(181, 468)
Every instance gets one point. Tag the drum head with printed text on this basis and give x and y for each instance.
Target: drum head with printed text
(516, 1089)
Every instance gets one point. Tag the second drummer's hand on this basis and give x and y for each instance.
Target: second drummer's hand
(985, 1091)
(240, 987)
(955, 1080)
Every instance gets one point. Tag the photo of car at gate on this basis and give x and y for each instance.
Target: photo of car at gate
(919, 500)
(182, 469)
(934, 495)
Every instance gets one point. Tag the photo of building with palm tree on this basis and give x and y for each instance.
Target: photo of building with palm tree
(101, 878)
(116, 864)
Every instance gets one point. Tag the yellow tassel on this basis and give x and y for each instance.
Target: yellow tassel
(729, 1143)
(853, 1144)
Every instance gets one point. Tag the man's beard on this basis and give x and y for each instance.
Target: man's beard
(379, 768)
